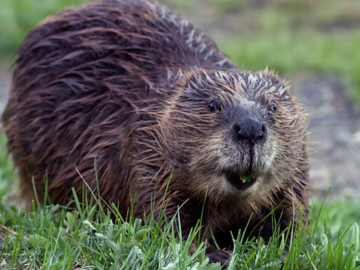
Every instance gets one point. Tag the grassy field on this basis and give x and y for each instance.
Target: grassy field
(293, 37)
(55, 237)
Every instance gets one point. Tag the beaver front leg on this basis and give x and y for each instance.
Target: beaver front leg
(291, 208)
(221, 256)
(190, 214)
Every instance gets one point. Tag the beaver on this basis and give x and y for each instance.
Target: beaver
(138, 90)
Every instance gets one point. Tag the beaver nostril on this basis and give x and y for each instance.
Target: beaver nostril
(263, 129)
(237, 128)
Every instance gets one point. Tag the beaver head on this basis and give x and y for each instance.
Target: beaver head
(239, 134)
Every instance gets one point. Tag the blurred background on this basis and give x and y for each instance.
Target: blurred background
(314, 44)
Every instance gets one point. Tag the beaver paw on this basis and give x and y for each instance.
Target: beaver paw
(221, 256)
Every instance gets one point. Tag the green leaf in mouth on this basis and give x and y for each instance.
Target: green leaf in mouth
(246, 178)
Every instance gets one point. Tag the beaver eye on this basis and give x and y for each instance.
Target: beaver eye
(214, 106)
(273, 107)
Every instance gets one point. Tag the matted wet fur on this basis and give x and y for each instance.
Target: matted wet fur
(141, 90)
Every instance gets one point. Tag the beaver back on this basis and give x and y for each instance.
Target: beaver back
(81, 79)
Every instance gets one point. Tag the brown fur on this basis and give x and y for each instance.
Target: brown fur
(128, 83)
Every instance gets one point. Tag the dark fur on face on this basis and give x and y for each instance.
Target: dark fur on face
(145, 93)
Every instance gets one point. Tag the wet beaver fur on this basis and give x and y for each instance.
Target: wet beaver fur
(147, 95)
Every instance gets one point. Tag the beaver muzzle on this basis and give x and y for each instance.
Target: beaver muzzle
(249, 132)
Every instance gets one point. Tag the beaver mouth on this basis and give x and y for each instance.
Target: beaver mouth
(241, 181)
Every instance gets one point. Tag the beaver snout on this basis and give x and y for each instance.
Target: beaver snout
(250, 130)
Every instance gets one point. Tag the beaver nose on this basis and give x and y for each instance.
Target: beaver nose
(250, 129)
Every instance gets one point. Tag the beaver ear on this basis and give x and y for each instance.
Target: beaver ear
(280, 87)
(281, 91)
(181, 83)
(177, 79)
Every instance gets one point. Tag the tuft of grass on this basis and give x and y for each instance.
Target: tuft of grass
(60, 238)
(86, 237)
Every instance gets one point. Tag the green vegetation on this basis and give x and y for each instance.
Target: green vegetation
(305, 52)
(291, 37)
(17, 17)
(55, 237)
(223, 6)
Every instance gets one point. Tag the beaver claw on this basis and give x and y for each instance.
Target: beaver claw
(221, 256)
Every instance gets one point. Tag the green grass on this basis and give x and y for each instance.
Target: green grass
(223, 6)
(6, 169)
(55, 237)
(305, 52)
(17, 17)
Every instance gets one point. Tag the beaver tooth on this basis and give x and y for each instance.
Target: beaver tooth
(253, 176)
